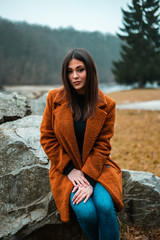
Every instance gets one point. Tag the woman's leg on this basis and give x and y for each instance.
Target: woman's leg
(108, 223)
(87, 217)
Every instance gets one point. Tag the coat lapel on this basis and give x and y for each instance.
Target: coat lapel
(93, 128)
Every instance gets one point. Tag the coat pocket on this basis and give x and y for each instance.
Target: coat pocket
(111, 164)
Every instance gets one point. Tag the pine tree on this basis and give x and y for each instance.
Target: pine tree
(152, 32)
(140, 49)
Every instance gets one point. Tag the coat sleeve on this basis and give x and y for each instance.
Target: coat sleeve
(100, 152)
(54, 151)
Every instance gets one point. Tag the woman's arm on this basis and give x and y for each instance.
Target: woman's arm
(101, 149)
(48, 140)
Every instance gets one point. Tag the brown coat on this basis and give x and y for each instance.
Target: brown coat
(59, 143)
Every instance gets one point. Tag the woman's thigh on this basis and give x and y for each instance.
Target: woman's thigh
(84, 210)
(103, 200)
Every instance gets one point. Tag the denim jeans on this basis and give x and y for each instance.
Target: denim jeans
(97, 217)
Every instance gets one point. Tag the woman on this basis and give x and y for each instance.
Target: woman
(76, 128)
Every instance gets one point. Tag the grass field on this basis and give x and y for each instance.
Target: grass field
(136, 145)
(136, 142)
(135, 95)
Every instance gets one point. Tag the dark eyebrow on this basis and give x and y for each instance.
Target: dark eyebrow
(78, 67)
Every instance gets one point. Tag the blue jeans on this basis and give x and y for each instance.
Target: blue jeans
(97, 217)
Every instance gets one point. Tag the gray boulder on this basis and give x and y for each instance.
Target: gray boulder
(141, 197)
(38, 105)
(26, 202)
(12, 107)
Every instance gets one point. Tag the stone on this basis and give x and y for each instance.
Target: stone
(30, 91)
(141, 197)
(27, 208)
(19, 144)
(38, 105)
(12, 107)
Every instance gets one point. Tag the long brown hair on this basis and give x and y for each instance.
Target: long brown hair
(91, 86)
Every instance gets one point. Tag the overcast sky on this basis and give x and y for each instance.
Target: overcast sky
(91, 15)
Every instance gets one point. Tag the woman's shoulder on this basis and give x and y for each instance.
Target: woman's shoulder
(56, 94)
(108, 101)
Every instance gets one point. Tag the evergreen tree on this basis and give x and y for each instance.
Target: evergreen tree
(140, 56)
(152, 11)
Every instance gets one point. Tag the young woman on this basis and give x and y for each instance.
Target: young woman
(76, 128)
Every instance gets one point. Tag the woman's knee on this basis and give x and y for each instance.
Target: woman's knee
(85, 212)
(103, 200)
(88, 215)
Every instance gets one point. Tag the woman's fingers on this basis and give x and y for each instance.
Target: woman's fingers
(79, 198)
(74, 183)
(85, 181)
(82, 193)
(82, 181)
(77, 177)
(79, 182)
(76, 194)
(86, 199)
(75, 188)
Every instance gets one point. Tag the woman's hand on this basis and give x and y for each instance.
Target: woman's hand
(77, 178)
(82, 193)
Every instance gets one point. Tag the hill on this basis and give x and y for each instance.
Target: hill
(32, 54)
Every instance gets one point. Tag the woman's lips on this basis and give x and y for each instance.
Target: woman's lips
(76, 82)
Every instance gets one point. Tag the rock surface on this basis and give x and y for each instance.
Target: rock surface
(38, 105)
(30, 91)
(26, 202)
(141, 197)
(12, 107)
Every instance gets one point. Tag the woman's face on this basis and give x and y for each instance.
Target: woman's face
(77, 75)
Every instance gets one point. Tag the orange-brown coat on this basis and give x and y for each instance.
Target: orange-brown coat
(59, 143)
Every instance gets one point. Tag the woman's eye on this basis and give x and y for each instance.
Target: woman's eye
(69, 71)
(81, 70)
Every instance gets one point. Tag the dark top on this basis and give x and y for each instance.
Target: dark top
(80, 125)
(79, 128)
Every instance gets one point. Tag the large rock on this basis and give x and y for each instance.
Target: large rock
(38, 105)
(26, 202)
(30, 91)
(141, 197)
(12, 107)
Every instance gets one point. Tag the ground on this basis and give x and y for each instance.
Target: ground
(135, 144)
(135, 95)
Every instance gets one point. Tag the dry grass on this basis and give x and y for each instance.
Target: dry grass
(135, 145)
(135, 95)
(136, 141)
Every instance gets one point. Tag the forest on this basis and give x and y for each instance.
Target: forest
(33, 54)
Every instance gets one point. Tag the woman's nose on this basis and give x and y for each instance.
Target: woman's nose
(75, 75)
